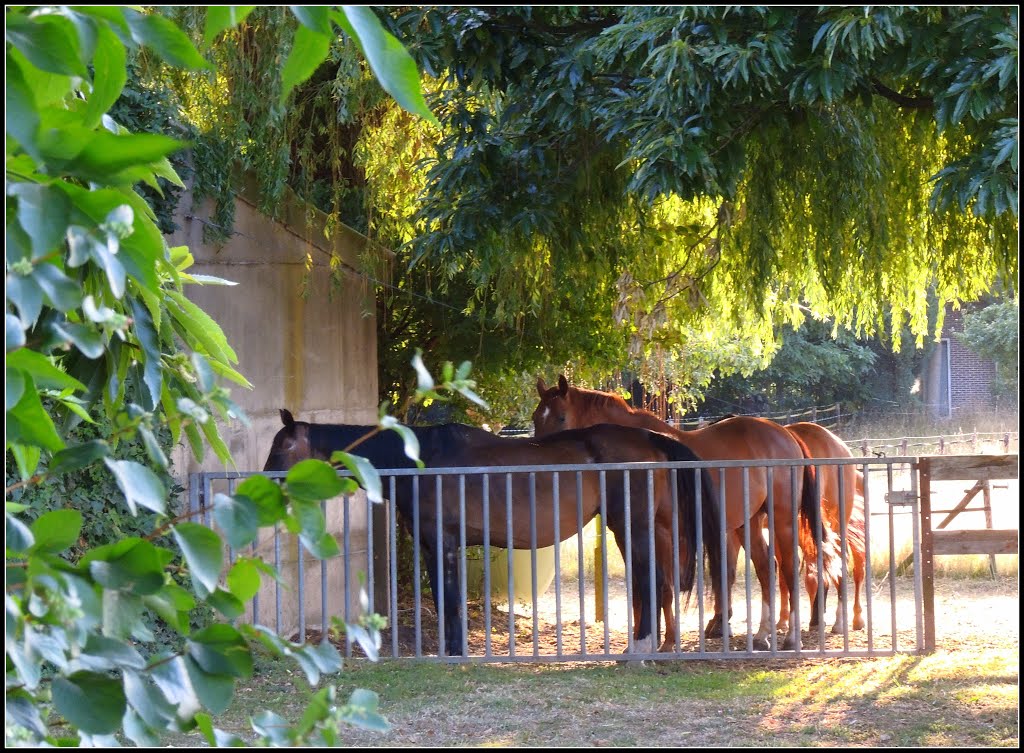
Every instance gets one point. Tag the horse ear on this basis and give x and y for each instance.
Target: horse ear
(563, 386)
(541, 387)
(286, 417)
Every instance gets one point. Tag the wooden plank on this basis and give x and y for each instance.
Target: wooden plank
(971, 467)
(986, 541)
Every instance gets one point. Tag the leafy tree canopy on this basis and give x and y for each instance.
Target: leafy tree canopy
(721, 166)
(603, 183)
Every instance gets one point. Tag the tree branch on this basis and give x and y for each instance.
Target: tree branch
(919, 103)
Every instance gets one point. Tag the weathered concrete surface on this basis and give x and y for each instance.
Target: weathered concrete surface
(304, 341)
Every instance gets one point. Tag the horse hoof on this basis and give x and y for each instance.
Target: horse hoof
(714, 629)
(668, 646)
(791, 644)
(858, 624)
(761, 644)
(837, 629)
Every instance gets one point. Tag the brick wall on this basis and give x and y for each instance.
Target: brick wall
(971, 377)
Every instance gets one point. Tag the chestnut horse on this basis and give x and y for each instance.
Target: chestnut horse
(737, 438)
(542, 515)
(822, 443)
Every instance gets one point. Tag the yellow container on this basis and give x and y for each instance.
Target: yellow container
(522, 583)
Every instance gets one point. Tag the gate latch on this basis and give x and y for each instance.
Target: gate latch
(904, 497)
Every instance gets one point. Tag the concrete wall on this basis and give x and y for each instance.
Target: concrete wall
(305, 344)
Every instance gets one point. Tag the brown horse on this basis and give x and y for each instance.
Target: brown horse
(523, 509)
(822, 443)
(737, 438)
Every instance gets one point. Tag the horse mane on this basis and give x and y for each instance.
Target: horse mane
(602, 400)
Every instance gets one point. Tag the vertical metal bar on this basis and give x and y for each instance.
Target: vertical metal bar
(323, 576)
(486, 489)
(441, 557)
(508, 559)
(747, 559)
(892, 563)
(773, 578)
(844, 552)
(725, 539)
(417, 596)
(868, 575)
(558, 569)
(463, 596)
(652, 584)
(699, 556)
(819, 541)
(393, 565)
(677, 607)
(604, 558)
(628, 556)
(917, 527)
(300, 557)
(794, 575)
(533, 559)
(580, 581)
(370, 586)
(277, 582)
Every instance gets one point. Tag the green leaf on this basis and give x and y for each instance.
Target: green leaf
(244, 579)
(203, 552)
(29, 424)
(226, 603)
(411, 444)
(27, 459)
(86, 339)
(203, 329)
(48, 41)
(166, 39)
(131, 565)
(322, 546)
(90, 702)
(78, 456)
(221, 650)
(424, 382)
(106, 154)
(15, 387)
(42, 370)
(26, 295)
(15, 335)
(102, 653)
(266, 496)
(139, 485)
(22, 110)
(221, 17)
(237, 517)
(390, 62)
(312, 480)
(62, 292)
(109, 75)
(309, 49)
(272, 727)
(43, 212)
(364, 472)
(17, 535)
(152, 376)
(147, 700)
(56, 530)
(361, 711)
(214, 691)
(173, 604)
(315, 17)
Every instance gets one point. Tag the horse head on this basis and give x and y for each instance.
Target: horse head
(553, 412)
(290, 445)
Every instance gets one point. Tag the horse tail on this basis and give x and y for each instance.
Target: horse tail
(810, 513)
(687, 502)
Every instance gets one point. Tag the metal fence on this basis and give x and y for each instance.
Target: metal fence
(574, 601)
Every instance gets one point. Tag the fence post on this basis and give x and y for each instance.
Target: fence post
(864, 447)
(903, 447)
(942, 445)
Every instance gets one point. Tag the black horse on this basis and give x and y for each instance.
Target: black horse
(484, 516)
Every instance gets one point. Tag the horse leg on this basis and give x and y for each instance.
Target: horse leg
(859, 566)
(787, 554)
(759, 558)
(723, 601)
(663, 550)
(647, 633)
(452, 604)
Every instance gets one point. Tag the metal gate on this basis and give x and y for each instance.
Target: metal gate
(574, 602)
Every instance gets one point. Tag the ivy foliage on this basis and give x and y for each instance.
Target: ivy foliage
(99, 332)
